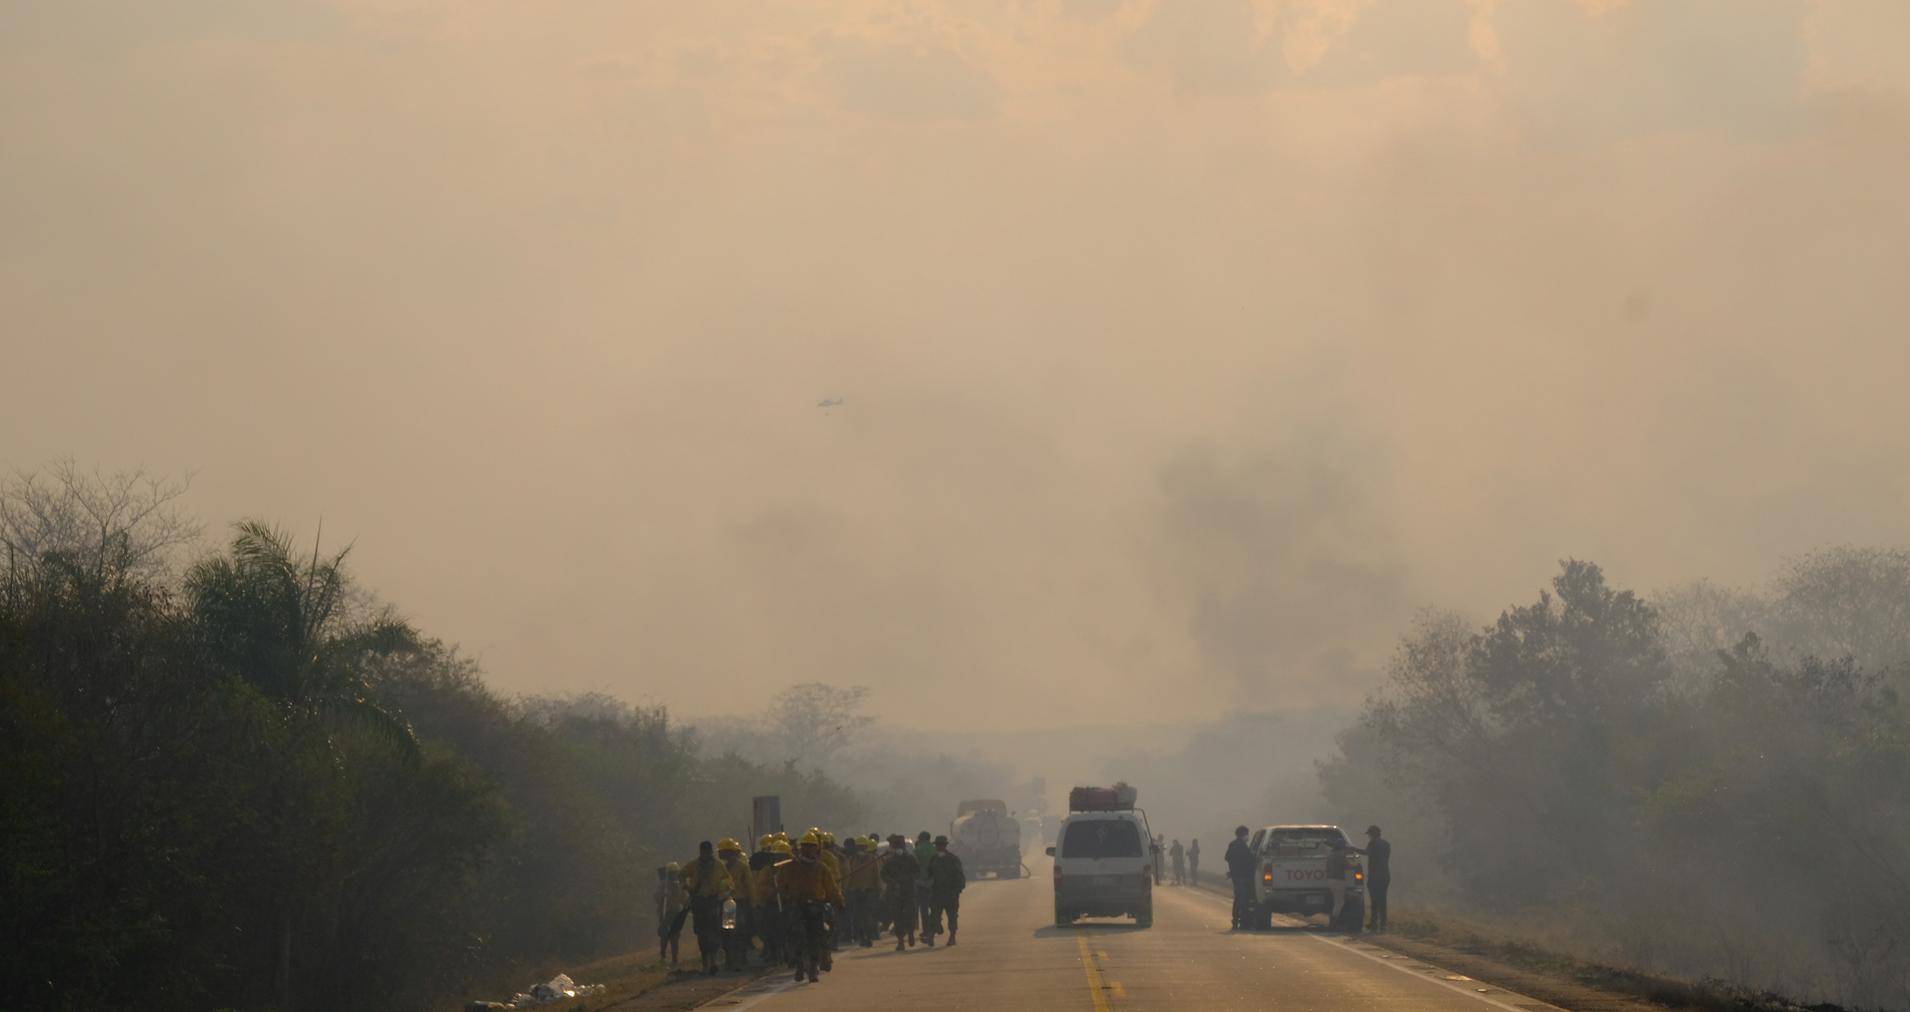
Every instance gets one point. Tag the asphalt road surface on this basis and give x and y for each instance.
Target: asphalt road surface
(1012, 956)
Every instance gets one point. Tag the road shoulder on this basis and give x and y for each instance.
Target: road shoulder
(1554, 987)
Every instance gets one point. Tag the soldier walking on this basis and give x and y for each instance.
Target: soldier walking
(945, 884)
(1193, 862)
(924, 853)
(1177, 856)
(900, 870)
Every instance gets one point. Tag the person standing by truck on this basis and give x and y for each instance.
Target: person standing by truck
(1240, 862)
(1193, 862)
(1177, 855)
(1379, 875)
(1336, 879)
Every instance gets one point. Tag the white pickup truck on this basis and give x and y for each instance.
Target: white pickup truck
(1293, 875)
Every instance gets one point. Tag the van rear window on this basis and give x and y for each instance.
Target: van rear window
(1101, 838)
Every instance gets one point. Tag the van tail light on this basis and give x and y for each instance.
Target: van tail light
(1359, 875)
(1266, 873)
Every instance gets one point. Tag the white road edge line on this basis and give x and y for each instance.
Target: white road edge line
(1488, 999)
(1449, 985)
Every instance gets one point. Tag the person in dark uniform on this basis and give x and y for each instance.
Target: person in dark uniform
(900, 871)
(1193, 863)
(945, 884)
(924, 853)
(1379, 875)
(1240, 862)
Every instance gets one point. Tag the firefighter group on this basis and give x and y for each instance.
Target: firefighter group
(795, 904)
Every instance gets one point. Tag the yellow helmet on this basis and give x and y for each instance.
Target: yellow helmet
(781, 847)
(765, 840)
(828, 839)
(673, 868)
(728, 843)
(810, 839)
(782, 835)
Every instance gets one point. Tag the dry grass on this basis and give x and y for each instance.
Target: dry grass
(1514, 947)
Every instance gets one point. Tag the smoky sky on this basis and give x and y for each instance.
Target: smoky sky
(1183, 344)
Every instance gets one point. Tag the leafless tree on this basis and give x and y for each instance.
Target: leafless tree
(109, 525)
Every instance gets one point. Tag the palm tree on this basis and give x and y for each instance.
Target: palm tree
(280, 623)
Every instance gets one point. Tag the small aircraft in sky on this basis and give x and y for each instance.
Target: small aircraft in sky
(829, 403)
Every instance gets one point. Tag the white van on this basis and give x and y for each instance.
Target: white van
(1101, 862)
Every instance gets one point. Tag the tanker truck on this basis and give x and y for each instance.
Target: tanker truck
(987, 838)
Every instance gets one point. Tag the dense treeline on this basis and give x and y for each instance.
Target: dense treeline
(1713, 783)
(239, 783)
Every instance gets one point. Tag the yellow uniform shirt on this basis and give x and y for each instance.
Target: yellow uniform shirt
(738, 870)
(762, 883)
(862, 875)
(799, 881)
(700, 882)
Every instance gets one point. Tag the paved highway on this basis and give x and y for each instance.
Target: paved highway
(1012, 956)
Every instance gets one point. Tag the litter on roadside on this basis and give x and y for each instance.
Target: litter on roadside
(556, 989)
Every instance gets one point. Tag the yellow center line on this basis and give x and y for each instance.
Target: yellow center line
(1095, 988)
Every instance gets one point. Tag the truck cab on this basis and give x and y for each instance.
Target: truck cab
(1292, 875)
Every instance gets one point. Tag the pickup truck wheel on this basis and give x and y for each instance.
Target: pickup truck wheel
(1263, 917)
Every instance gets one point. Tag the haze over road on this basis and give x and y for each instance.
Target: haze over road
(1012, 956)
